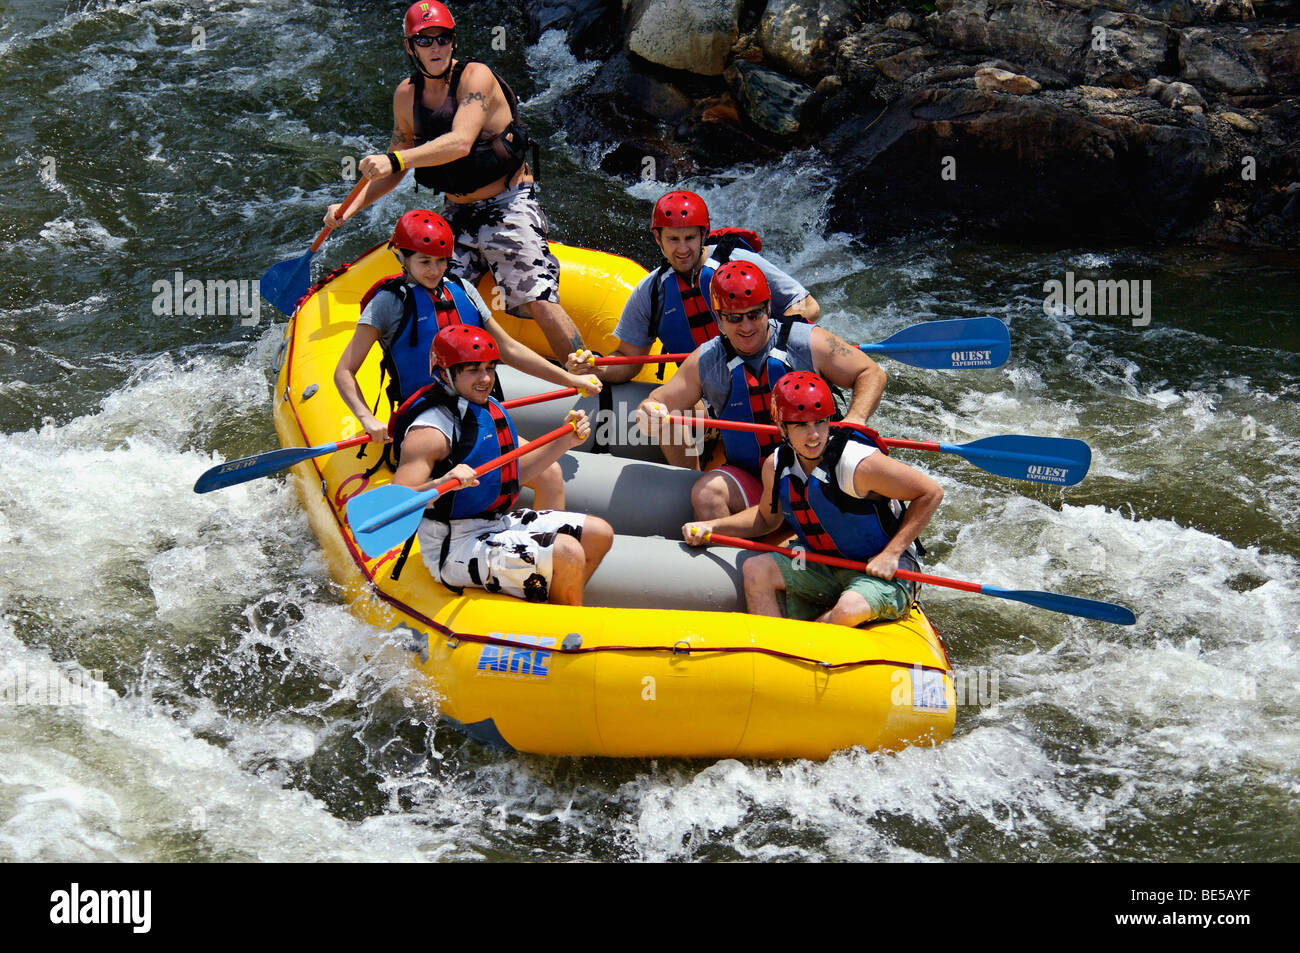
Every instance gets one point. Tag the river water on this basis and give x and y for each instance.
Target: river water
(226, 704)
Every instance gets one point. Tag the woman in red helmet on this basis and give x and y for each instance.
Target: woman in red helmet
(672, 303)
(734, 374)
(456, 124)
(841, 495)
(477, 536)
(404, 312)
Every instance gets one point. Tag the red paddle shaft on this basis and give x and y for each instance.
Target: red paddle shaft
(343, 210)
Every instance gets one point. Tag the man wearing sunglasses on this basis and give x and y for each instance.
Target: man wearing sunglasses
(456, 124)
(735, 372)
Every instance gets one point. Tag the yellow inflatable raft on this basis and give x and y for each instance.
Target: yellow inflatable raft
(596, 680)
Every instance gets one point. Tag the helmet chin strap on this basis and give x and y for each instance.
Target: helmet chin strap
(402, 260)
(443, 377)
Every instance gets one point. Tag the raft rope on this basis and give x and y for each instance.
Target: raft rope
(680, 648)
(685, 648)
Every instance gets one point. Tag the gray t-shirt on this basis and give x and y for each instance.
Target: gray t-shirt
(854, 453)
(441, 419)
(384, 312)
(715, 379)
(634, 324)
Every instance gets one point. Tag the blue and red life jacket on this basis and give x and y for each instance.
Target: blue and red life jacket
(483, 433)
(681, 313)
(424, 314)
(826, 519)
(750, 401)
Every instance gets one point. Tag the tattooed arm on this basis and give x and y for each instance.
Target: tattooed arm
(846, 366)
(478, 107)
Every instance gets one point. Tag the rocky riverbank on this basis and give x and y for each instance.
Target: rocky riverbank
(1132, 120)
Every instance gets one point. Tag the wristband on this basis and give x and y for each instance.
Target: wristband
(395, 162)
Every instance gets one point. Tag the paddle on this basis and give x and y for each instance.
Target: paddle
(387, 516)
(1052, 601)
(287, 281)
(541, 398)
(957, 344)
(1060, 461)
(273, 461)
(265, 464)
(938, 345)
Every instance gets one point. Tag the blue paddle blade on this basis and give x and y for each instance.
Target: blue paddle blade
(258, 465)
(1070, 605)
(1061, 461)
(286, 282)
(394, 511)
(957, 344)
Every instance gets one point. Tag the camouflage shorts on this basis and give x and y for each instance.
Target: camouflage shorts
(507, 234)
(511, 554)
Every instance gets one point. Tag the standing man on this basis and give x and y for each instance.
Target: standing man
(840, 493)
(735, 372)
(672, 303)
(456, 123)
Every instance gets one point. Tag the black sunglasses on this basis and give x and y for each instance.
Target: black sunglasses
(736, 317)
(442, 39)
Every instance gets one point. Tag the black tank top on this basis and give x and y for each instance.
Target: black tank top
(492, 157)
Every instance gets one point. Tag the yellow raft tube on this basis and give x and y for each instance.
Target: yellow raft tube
(558, 680)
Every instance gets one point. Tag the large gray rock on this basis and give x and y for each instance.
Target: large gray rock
(1056, 163)
(1215, 58)
(772, 101)
(859, 52)
(1125, 50)
(1178, 12)
(691, 35)
(910, 62)
(1277, 51)
(801, 36)
(1188, 12)
(1027, 31)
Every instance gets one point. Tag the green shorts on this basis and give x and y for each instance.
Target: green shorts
(814, 588)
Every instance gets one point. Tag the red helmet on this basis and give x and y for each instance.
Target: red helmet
(738, 286)
(801, 397)
(423, 231)
(463, 344)
(426, 14)
(680, 210)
